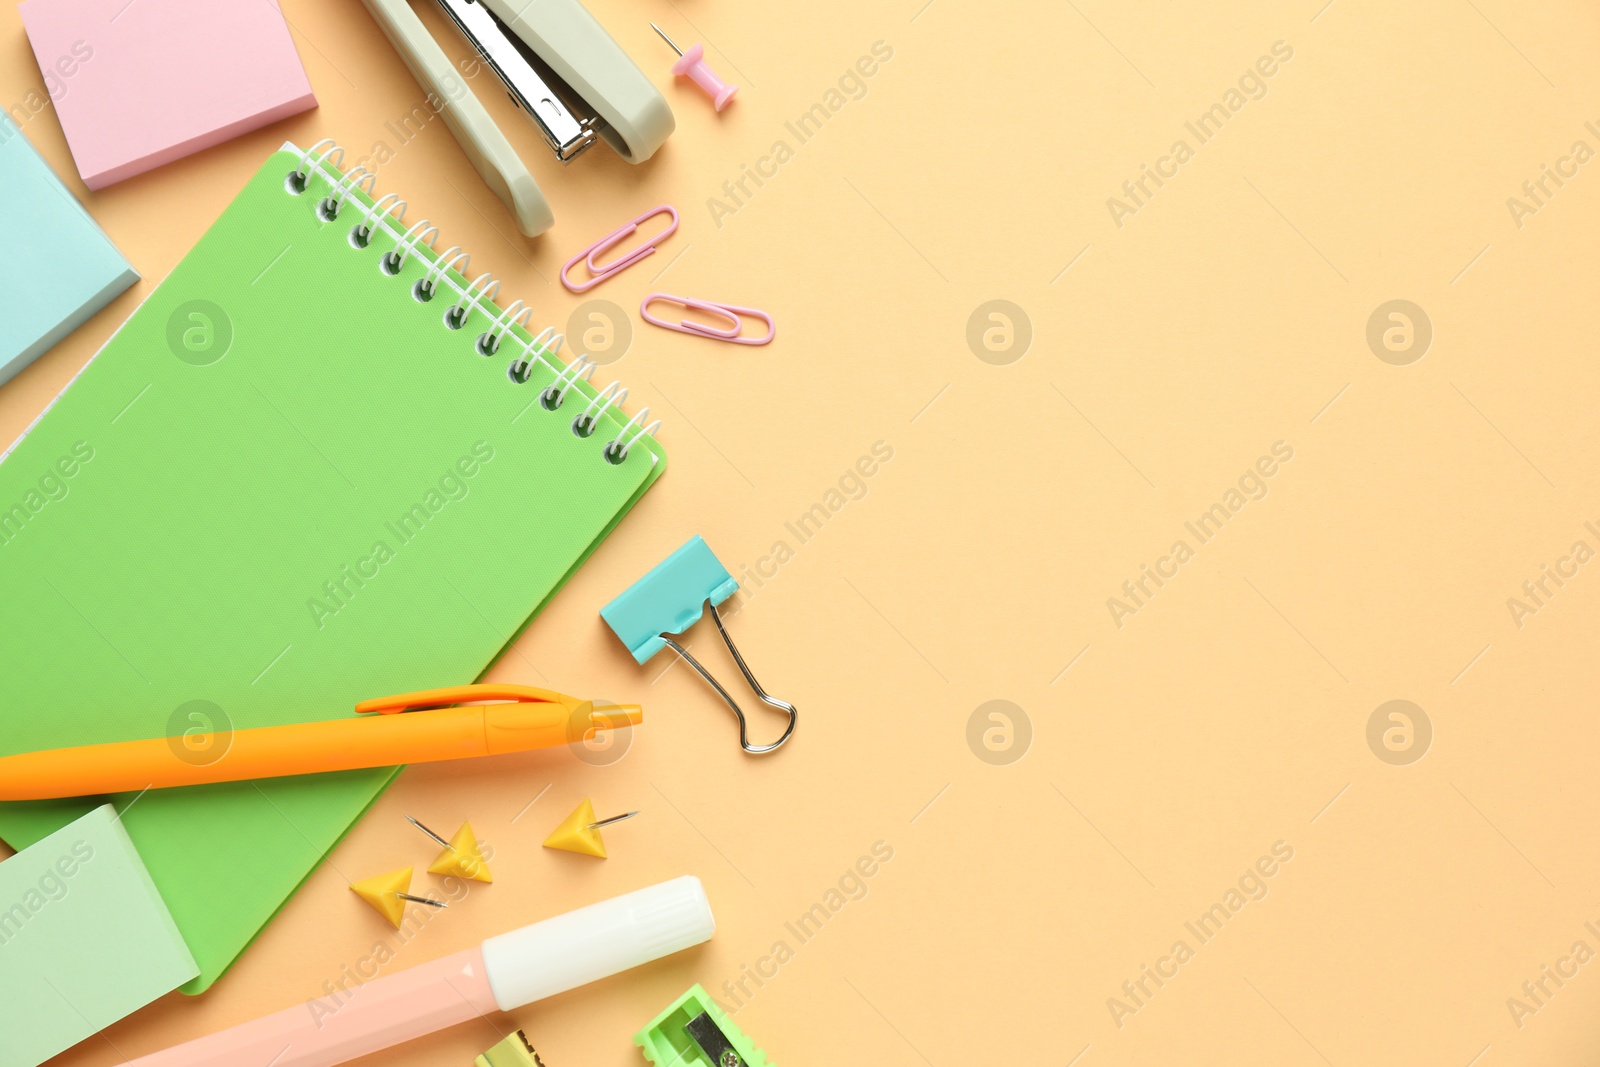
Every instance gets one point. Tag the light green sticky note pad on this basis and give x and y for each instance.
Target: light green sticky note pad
(85, 939)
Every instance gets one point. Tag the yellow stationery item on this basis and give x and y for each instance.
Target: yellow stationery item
(577, 833)
(580, 831)
(514, 1051)
(462, 857)
(388, 893)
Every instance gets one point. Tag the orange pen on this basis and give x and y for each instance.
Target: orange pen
(382, 737)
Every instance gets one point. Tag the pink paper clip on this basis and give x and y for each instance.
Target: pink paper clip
(730, 312)
(590, 254)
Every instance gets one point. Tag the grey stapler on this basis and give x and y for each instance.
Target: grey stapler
(560, 67)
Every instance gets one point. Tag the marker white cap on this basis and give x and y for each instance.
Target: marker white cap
(596, 942)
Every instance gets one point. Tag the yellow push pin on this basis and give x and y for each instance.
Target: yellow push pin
(387, 893)
(580, 831)
(461, 856)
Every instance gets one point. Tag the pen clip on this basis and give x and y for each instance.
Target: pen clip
(462, 694)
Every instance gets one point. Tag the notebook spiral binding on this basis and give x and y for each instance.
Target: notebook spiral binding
(385, 215)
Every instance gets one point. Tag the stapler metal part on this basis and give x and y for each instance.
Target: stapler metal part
(560, 67)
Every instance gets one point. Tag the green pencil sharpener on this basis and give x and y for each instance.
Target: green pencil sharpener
(694, 1032)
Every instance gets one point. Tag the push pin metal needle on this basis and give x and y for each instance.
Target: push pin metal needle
(614, 818)
(442, 842)
(692, 64)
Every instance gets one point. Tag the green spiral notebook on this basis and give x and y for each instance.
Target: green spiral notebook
(292, 480)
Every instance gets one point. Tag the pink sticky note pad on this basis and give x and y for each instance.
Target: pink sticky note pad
(138, 84)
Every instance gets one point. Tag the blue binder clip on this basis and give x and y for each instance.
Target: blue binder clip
(672, 598)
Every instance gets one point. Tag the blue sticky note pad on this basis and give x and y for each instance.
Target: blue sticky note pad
(670, 599)
(59, 267)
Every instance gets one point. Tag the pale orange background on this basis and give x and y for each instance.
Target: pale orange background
(1229, 714)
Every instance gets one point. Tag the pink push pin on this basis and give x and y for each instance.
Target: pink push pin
(693, 64)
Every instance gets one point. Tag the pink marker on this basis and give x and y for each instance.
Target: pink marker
(693, 65)
(502, 974)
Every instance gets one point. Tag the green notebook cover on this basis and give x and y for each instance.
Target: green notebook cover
(283, 486)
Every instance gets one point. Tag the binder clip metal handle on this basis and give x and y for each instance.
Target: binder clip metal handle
(670, 599)
(766, 698)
